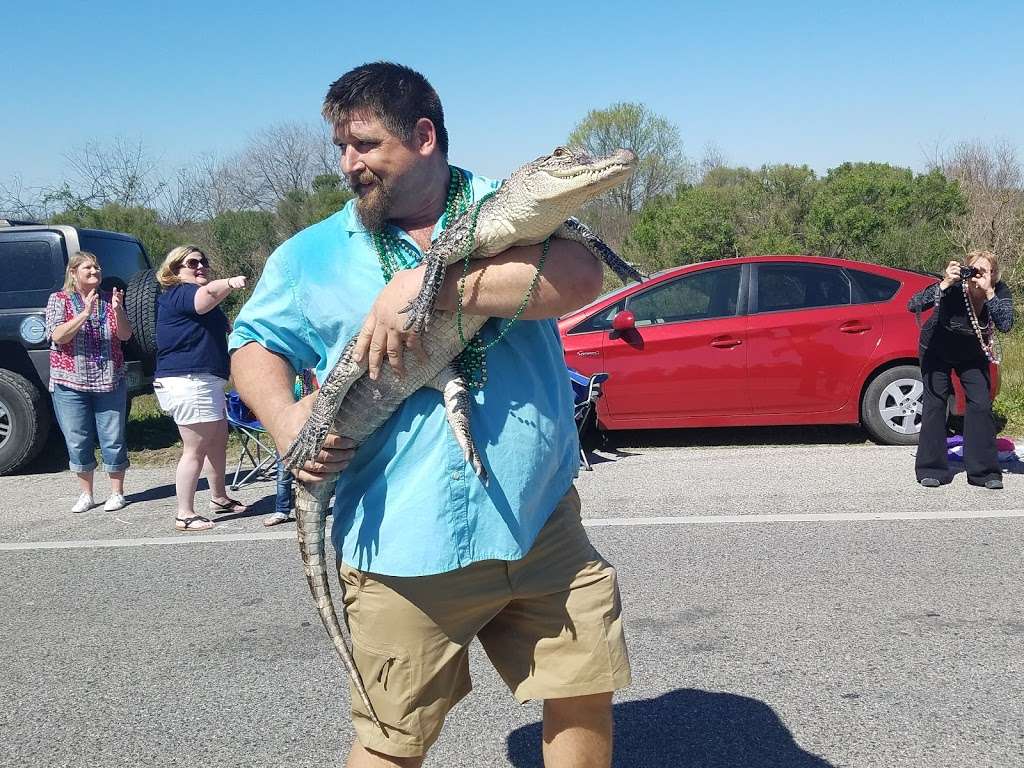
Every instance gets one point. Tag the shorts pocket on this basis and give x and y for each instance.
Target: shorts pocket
(389, 686)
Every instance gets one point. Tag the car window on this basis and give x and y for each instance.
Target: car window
(800, 286)
(599, 321)
(119, 258)
(706, 294)
(870, 287)
(29, 265)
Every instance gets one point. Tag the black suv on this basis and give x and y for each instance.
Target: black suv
(34, 258)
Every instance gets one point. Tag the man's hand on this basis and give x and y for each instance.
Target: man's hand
(335, 455)
(383, 334)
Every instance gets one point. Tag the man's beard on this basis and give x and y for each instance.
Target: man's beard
(374, 206)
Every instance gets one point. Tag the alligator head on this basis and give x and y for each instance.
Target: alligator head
(541, 194)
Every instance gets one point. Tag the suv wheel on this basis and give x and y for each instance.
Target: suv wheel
(24, 421)
(140, 306)
(891, 407)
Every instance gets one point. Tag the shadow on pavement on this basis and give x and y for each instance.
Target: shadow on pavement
(688, 728)
(728, 436)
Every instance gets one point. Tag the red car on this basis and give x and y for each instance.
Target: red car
(758, 340)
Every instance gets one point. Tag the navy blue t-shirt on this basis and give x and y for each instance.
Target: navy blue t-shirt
(186, 341)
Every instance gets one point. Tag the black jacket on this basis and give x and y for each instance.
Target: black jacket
(948, 331)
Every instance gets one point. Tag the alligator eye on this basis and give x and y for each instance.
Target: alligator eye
(560, 152)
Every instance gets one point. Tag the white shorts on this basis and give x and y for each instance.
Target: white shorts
(191, 399)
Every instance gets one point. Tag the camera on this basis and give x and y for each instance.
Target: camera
(967, 273)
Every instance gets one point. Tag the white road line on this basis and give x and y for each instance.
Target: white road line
(811, 517)
(597, 522)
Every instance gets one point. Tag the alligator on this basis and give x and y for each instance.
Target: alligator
(533, 204)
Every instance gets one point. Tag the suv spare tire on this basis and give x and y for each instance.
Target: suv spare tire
(140, 306)
(24, 421)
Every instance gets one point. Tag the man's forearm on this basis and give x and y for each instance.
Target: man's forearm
(495, 287)
(264, 381)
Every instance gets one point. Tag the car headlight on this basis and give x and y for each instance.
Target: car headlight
(33, 330)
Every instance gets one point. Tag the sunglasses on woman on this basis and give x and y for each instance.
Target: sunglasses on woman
(195, 263)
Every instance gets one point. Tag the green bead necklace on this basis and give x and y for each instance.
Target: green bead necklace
(472, 362)
(395, 254)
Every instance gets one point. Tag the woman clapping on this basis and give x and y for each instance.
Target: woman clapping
(87, 376)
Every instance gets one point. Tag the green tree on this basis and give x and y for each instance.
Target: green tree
(770, 205)
(877, 212)
(695, 224)
(660, 166)
(300, 209)
(143, 223)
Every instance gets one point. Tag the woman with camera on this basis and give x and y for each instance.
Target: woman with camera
(971, 304)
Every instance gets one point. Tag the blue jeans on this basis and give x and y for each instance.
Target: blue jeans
(284, 489)
(85, 417)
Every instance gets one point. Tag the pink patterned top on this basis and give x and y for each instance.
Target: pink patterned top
(93, 360)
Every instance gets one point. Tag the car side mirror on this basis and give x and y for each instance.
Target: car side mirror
(624, 321)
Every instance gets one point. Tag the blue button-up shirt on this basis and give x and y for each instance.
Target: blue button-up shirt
(409, 504)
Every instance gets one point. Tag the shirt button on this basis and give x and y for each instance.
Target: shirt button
(456, 475)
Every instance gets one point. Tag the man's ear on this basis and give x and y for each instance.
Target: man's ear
(424, 136)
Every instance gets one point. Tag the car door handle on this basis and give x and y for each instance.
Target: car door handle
(854, 326)
(726, 343)
(587, 354)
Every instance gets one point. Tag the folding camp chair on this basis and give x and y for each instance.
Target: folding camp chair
(586, 390)
(257, 447)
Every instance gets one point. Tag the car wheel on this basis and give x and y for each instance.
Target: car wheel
(24, 421)
(140, 306)
(891, 407)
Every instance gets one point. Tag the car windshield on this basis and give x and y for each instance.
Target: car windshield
(119, 258)
(600, 298)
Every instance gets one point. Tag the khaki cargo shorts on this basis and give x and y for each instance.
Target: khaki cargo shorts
(550, 623)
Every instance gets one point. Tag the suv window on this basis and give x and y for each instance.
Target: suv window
(119, 258)
(800, 286)
(33, 264)
(870, 288)
(28, 265)
(709, 293)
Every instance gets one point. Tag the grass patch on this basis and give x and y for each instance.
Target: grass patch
(1009, 404)
(153, 438)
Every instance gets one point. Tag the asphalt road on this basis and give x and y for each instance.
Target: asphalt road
(802, 604)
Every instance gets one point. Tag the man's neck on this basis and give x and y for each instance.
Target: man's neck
(422, 218)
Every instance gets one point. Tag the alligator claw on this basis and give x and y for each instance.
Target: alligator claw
(419, 312)
(305, 446)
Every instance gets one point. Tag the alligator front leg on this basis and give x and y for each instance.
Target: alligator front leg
(325, 408)
(460, 240)
(457, 406)
(575, 230)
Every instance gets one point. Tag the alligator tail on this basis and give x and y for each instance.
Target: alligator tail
(311, 501)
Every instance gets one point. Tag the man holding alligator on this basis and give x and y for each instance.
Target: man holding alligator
(429, 556)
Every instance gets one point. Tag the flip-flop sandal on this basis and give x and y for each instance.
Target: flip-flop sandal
(192, 524)
(233, 505)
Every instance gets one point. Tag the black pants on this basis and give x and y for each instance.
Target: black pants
(980, 455)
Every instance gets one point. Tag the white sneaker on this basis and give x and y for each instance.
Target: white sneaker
(83, 504)
(114, 502)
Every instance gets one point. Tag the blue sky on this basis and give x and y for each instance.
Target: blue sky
(815, 83)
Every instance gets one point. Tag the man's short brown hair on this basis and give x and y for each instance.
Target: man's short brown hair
(396, 95)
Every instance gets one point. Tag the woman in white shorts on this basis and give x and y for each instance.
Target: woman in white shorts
(191, 373)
